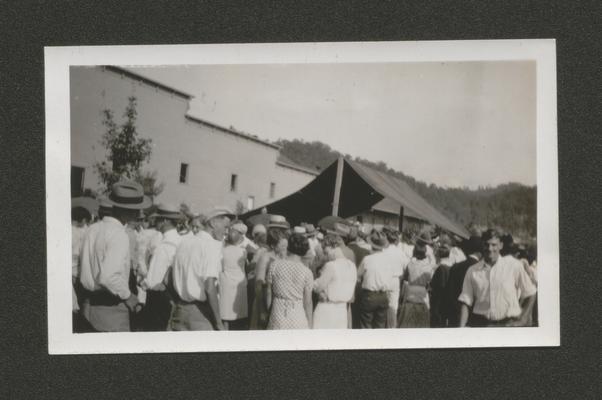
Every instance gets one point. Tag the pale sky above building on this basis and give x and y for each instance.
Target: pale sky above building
(452, 124)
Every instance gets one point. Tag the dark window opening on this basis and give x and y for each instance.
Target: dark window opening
(77, 181)
(272, 190)
(233, 182)
(183, 173)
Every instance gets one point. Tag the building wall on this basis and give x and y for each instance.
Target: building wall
(212, 154)
(376, 219)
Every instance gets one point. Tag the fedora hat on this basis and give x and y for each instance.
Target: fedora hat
(219, 211)
(377, 239)
(168, 211)
(340, 229)
(424, 238)
(128, 194)
(278, 221)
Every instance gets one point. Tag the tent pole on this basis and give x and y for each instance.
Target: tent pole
(401, 219)
(337, 187)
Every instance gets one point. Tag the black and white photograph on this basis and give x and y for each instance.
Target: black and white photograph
(302, 196)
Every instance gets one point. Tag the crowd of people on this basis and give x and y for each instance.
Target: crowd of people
(174, 271)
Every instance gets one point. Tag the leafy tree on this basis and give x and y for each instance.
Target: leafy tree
(148, 179)
(126, 151)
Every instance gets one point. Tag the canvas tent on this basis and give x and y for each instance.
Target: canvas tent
(360, 188)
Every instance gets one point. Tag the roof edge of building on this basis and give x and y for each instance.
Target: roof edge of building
(148, 81)
(232, 132)
(297, 168)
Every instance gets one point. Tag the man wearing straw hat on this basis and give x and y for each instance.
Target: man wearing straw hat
(197, 265)
(106, 261)
(158, 303)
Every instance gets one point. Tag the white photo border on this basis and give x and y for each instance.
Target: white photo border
(61, 340)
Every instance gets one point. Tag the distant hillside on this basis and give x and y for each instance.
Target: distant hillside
(511, 206)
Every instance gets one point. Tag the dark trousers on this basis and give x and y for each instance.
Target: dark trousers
(81, 324)
(373, 309)
(156, 312)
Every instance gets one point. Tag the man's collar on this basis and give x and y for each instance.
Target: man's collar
(485, 264)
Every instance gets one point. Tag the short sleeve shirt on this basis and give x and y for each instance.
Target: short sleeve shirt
(376, 272)
(197, 259)
(495, 291)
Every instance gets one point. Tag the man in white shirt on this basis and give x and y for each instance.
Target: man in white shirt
(157, 310)
(497, 289)
(106, 264)
(197, 265)
(105, 209)
(398, 264)
(375, 275)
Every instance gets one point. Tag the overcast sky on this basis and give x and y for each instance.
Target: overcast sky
(452, 124)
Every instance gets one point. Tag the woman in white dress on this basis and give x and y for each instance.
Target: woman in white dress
(335, 287)
(233, 305)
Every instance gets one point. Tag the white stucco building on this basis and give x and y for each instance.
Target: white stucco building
(201, 163)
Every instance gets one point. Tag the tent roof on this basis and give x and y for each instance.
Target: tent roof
(399, 191)
(362, 188)
(390, 206)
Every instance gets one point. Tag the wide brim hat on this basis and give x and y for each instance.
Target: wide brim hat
(340, 229)
(168, 211)
(378, 240)
(128, 195)
(219, 211)
(424, 238)
(278, 221)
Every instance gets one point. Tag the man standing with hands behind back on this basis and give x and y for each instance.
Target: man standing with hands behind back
(106, 261)
(497, 288)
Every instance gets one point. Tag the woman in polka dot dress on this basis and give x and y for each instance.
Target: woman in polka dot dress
(289, 288)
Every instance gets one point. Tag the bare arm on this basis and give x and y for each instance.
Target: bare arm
(268, 296)
(463, 315)
(211, 291)
(308, 305)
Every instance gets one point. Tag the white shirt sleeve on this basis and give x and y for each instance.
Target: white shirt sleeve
(213, 262)
(524, 283)
(114, 271)
(86, 275)
(321, 284)
(467, 295)
(160, 263)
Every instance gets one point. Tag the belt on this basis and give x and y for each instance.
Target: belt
(178, 300)
(103, 298)
(374, 291)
